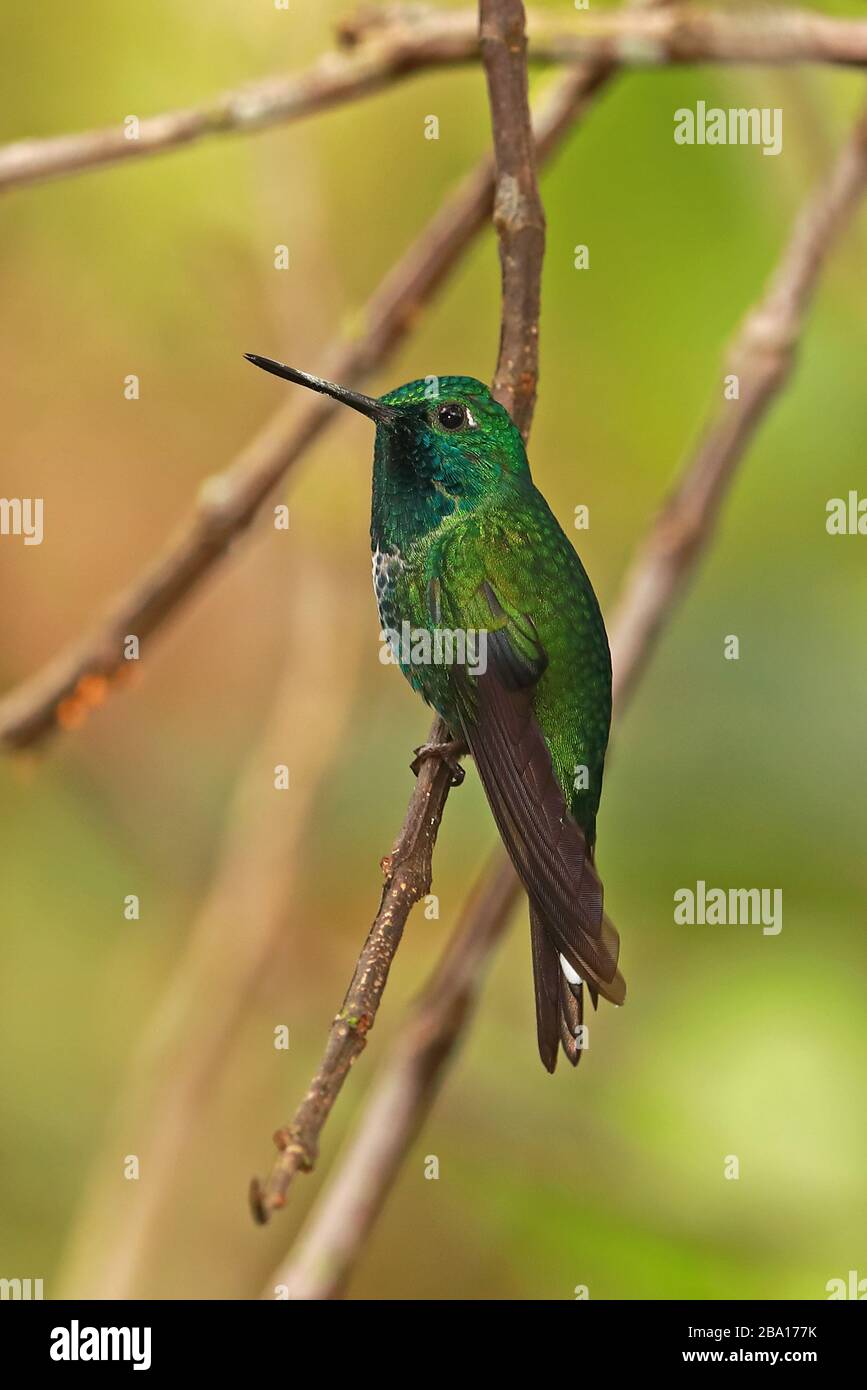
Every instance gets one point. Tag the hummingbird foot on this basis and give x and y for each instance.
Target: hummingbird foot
(448, 753)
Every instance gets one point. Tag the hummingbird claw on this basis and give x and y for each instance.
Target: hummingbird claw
(448, 753)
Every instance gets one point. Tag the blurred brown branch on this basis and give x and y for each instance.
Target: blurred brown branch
(762, 354)
(237, 939)
(520, 223)
(389, 47)
(375, 55)
(682, 34)
(229, 501)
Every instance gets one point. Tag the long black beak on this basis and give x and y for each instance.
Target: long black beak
(367, 405)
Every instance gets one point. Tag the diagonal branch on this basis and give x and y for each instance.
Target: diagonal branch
(335, 1233)
(762, 357)
(520, 225)
(59, 694)
(334, 1236)
(407, 43)
(382, 50)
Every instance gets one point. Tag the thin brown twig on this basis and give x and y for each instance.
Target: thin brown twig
(762, 355)
(61, 692)
(410, 40)
(520, 227)
(518, 213)
(329, 1245)
(683, 34)
(636, 36)
(407, 873)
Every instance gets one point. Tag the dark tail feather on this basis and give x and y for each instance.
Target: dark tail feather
(546, 980)
(571, 1018)
(591, 855)
(559, 1004)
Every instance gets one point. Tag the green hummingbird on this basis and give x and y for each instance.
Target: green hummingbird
(464, 544)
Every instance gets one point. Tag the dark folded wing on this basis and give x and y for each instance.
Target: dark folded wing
(546, 844)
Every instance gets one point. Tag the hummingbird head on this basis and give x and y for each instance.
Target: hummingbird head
(447, 435)
(442, 433)
(442, 444)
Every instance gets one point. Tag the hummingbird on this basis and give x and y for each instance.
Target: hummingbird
(463, 542)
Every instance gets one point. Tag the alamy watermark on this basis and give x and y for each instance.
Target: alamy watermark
(746, 907)
(21, 1289)
(853, 1287)
(438, 646)
(77, 1343)
(22, 516)
(736, 125)
(846, 516)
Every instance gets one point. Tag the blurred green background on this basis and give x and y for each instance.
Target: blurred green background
(155, 1037)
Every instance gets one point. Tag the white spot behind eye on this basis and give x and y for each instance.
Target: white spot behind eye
(471, 421)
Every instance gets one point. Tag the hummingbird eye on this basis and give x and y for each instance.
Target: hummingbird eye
(453, 416)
